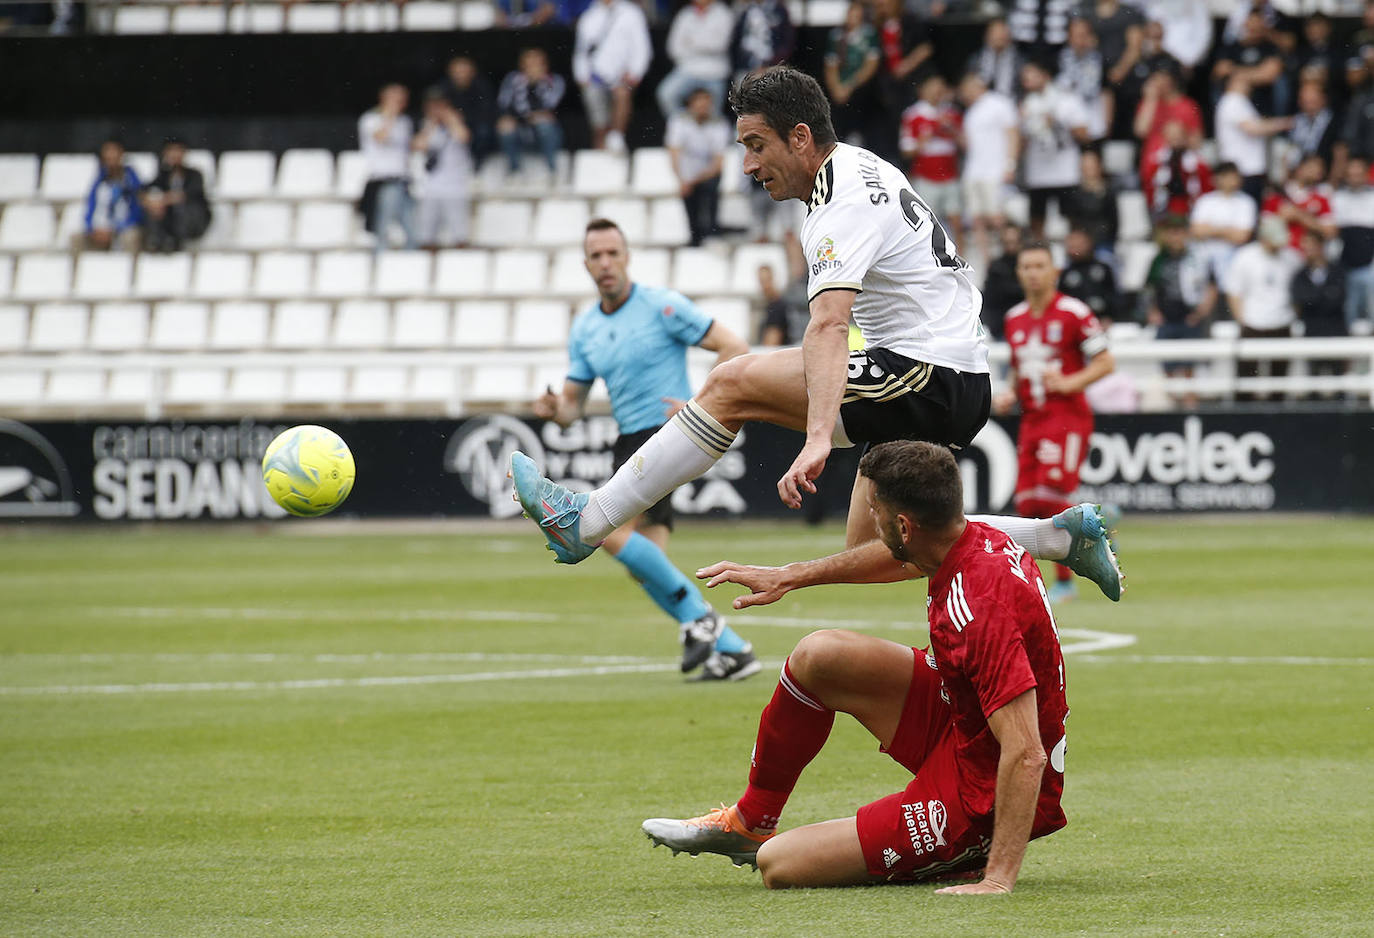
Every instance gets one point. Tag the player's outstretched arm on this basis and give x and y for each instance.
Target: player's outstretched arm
(1019, 770)
(867, 563)
(825, 352)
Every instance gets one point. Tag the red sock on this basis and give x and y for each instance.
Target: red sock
(792, 729)
(1062, 573)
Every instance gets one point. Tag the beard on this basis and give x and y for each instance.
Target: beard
(891, 537)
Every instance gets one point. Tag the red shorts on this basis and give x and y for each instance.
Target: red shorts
(923, 831)
(1050, 451)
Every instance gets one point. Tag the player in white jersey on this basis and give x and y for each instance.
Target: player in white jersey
(876, 251)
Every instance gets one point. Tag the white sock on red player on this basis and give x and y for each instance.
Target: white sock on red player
(1041, 539)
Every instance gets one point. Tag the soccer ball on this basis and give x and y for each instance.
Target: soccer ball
(308, 470)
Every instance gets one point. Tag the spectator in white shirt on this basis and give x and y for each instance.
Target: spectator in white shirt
(1257, 289)
(1222, 220)
(699, 45)
(1054, 127)
(384, 135)
(1352, 208)
(444, 217)
(1187, 29)
(1243, 135)
(611, 53)
(991, 142)
(697, 140)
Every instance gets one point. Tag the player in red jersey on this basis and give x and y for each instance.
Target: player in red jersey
(1058, 348)
(978, 718)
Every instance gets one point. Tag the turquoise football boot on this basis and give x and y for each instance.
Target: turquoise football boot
(1090, 553)
(557, 511)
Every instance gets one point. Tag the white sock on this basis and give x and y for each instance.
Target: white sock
(685, 448)
(1041, 539)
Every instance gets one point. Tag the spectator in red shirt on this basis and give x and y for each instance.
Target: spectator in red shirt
(1162, 102)
(1304, 203)
(1174, 174)
(930, 139)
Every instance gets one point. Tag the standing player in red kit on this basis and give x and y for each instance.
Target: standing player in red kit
(978, 717)
(1058, 348)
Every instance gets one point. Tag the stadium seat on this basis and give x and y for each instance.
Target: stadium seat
(732, 178)
(429, 16)
(162, 276)
(1133, 216)
(314, 18)
(362, 324)
(651, 172)
(305, 174)
(103, 276)
(746, 261)
(324, 225)
(433, 383)
(476, 15)
(263, 225)
(647, 265)
(570, 278)
(825, 12)
(300, 325)
(257, 384)
(732, 312)
(257, 18)
(220, 234)
(142, 20)
(21, 387)
(71, 221)
(517, 272)
(599, 172)
(194, 385)
(699, 271)
(539, 324)
(480, 324)
(380, 17)
(187, 19)
(317, 384)
(67, 176)
(245, 174)
(239, 324)
(119, 327)
(668, 222)
(1118, 158)
(14, 326)
(503, 223)
(282, 275)
(220, 276)
(377, 384)
(499, 382)
(1226, 329)
(58, 327)
(560, 221)
(78, 386)
(43, 276)
(1135, 263)
(179, 326)
(130, 386)
(403, 273)
(26, 227)
(462, 273)
(143, 164)
(19, 176)
(204, 161)
(632, 215)
(421, 324)
(350, 175)
(6, 275)
(343, 273)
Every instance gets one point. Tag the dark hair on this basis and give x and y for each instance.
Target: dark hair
(604, 224)
(1227, 167)
(784, 98)
(918, 479)
(1037, 246)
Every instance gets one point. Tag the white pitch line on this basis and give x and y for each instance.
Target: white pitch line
(1277, 660)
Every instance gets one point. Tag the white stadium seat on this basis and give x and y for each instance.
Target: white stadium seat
(732, 312)
(825, 12)
(350, 175)
(305, 174)
(282, 275)
(25, 227)
(1133, 216)
(314, 18)
(429, 16)
(129, 386)
(343, 273)
(462, 273)
(503, 223)
(698, 271)
(119, 327)
(1118, 158)
(732, 178)
(480, 324)
(6, 275)
(324, 225)
(143, 164)
(651, 172)
(14, 327)
(245, 174)
(631, 215)
(301, 325)
(199, 19)
(142, 20)
(239, 324)
(560, 221)
(162, 276)
(316, 384)
(362, 324)
(21, 387)
(67, 176)
(263, 225)
(421, 324)
(179, 326)
(103, 276)
(43, 276)
(371, 17)
(255, 384)
(668, 222)
(433, 383)
(220, 276)
(204, 161)
(570, 278)
(374, 383)
(188, 386)
(223, 224)
(58, 327)
(18, 176)
(649, 265)
(746, 261)
(70, 222)
(257, 18)
(539, 324)
(83, 386)
(476, 15)
(1135, 263)
(403, 273)
(599, 172)
(517, 272)
(499, 382)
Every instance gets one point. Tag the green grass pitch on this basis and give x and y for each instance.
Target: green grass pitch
(332, 729)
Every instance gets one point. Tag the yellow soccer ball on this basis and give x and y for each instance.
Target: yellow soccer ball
(308, 470)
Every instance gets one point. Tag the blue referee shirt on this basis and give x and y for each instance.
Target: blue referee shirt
(640, 351)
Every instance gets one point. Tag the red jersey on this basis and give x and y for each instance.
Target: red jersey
(993, 638)
(1313, 201)
(1182, 109)
(931, 131)
(1063, 337)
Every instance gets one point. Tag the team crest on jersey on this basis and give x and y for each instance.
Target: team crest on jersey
(1054, 332)
(825, 256)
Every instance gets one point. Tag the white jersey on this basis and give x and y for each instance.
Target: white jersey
(866, 230)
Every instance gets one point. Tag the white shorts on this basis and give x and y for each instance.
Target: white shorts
(984, 198)
(443, 222)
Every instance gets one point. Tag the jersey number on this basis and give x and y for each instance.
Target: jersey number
(918, 213)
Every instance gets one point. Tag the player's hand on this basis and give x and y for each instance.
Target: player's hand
(806, 469)
(986, 887)
(1003, 402)
(1055, 382)
(546, 405)
(671, 405)
(765, 584)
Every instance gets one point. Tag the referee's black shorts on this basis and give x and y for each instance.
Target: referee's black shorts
(892, 397)
(661, 511)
